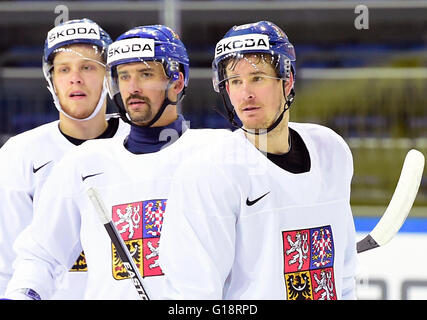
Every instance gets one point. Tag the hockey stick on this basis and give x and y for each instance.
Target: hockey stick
(118, 242)
(400, 204)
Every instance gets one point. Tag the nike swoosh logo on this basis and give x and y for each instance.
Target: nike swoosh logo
(91, 175)
(252, 202)
(37, 169)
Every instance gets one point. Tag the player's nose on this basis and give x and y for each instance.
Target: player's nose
(247, 91)
(75, 77)
(133, 86)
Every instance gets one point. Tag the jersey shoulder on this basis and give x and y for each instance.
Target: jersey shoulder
(33, 138)
(94, 148)
(198, 140)
(326, 147)
(315, 130)
(218, 148)
(33, 148)
(325, 138)
(29, 156)
(89, 156)
(206, 135)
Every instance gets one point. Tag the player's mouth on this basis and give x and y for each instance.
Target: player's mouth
(136, 102)
(250, 109)
(77, 95)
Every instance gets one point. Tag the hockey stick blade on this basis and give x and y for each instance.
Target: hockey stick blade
(400, 204)
(118, 242)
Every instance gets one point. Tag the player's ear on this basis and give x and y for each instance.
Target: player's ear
(289, 84)
(178, 85)
(227, 88)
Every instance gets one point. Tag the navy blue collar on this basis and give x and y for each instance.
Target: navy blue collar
(150, 139)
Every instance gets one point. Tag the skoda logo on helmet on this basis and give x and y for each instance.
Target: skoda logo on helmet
(130, 49)
(243, 42)
(73, 31)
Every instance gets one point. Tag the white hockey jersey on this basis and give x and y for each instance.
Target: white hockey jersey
(239, 227)
(26, 160)
(135, 187)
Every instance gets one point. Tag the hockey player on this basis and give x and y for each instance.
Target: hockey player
(74, 61)
(148, 74)
(265, 214)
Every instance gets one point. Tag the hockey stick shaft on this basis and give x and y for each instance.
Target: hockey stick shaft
(118, 242)
(400, 204)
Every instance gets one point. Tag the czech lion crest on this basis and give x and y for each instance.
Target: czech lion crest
(308, 264)
(139, 224)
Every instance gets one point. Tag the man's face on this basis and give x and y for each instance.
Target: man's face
(78, 76)
(142, 86)
(255, 92)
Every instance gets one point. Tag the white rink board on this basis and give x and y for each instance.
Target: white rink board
(398, 270)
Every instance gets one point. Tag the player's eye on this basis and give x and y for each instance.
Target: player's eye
(88, 67)
(235, 81)
(146, 75)
(124, 77)
(62, 69)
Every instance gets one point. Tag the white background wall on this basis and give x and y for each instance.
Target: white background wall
(396, 271)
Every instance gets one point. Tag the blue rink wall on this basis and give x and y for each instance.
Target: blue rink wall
(396, 271)
(412, 224)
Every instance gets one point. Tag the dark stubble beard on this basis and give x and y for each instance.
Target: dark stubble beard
(142, 117)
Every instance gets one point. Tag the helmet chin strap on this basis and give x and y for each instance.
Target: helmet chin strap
(165, 103)
(95, 111)
(231, 114)
(56, 102)
(258, 132)
(279, 119)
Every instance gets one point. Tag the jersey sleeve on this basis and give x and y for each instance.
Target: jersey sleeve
(350, 257)
(16, 208)
(350, 264)
(51, 243)
(336, 150)
(199, 230)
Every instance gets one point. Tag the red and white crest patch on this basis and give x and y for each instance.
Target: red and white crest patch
(139, 224)
(308, 264)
